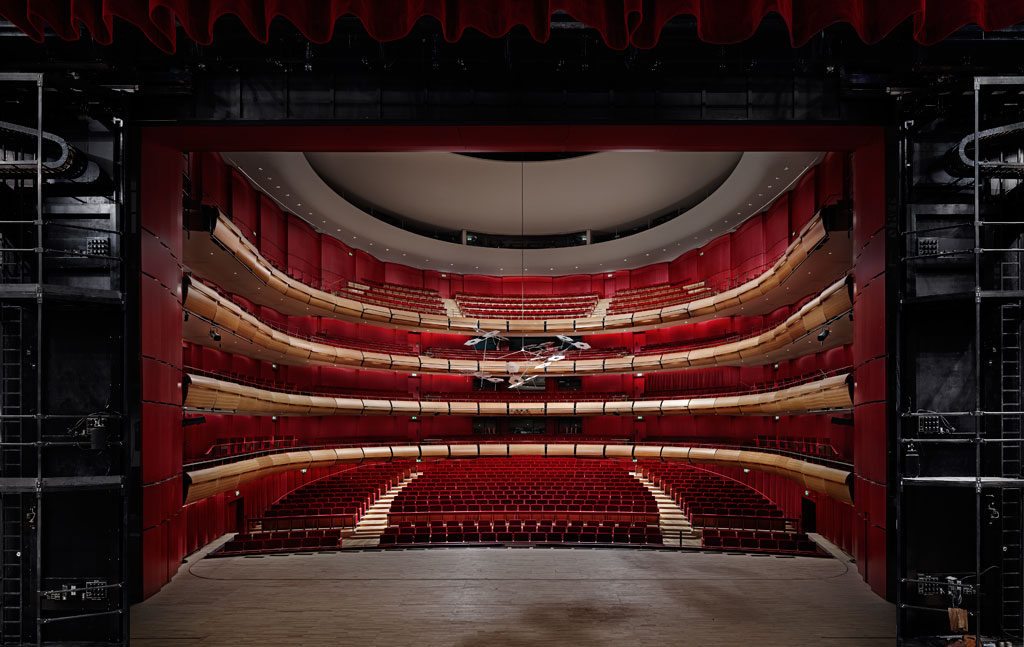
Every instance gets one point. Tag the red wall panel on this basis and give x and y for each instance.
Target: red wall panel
(832, 178)
(304, 257)
(803, 201)
(403, 275)
(244, 206)
(368, 268)
(273, 232)
(777, 228)
(214, 180)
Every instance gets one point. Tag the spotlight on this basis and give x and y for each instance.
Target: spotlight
(214, 335)
(238, 493)
(746, 470)
(273, 367)
(775, 366)
(823, 335)
(273, 418)
(303, 470)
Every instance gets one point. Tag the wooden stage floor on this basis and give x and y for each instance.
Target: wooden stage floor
(515, 597)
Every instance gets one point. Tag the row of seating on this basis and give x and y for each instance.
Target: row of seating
(658, 296)
(527, 307)
(821, 447)
(335, 501)
(549, 488)
(280, 541)
(795, 543)
(246, 445)
(704, 495)
(533, 532)
(394, 296)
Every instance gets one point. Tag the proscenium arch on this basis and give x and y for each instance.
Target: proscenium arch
(830, 481)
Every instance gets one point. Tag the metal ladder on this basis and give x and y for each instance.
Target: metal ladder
(1011, 509)
(11, 504)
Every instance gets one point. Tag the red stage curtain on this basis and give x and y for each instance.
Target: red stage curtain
(620, 22)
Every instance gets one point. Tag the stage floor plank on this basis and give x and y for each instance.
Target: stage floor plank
(515, 597)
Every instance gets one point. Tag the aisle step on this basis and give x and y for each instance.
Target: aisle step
(675, 528)
(371, 525)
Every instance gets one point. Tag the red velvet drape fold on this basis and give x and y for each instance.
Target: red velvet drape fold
(620, 22)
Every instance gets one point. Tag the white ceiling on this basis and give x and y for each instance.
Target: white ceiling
(754, 183)
(601, 191)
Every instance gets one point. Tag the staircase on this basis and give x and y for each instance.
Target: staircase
(675, 529)
(372, 524)
(452, 308)
(601, 308)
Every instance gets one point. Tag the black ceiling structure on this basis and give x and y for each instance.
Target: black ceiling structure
(97, 96)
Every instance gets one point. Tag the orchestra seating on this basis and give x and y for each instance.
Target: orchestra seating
(517, 531)
(531, 500)
(561, 306)
(281, 541)
(704, 495)
(768, 541)
(657, 296)
(732, 515)
(399, 297)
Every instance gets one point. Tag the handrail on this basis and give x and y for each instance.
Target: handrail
(827, 308)
(227, 460)
(225, 236)
(205, 393)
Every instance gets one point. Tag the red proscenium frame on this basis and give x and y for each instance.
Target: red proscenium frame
(170, 531)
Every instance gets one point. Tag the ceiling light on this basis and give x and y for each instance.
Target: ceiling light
(277, 186)
(259, 168)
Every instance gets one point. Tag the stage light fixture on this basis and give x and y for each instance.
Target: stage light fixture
(214, 335)
(823, 335)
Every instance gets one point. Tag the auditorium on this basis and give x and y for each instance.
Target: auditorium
(506, 323)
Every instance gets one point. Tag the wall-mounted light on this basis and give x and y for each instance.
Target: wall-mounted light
(776, 418)
(639, 417)
(303, 470)
(639, 374)
(746, 470)
(214, 335)
(807, 493)
(414, 418)
(823, 335)
(273, 367)
(273, 418)
(238, 493)
(413, 375)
